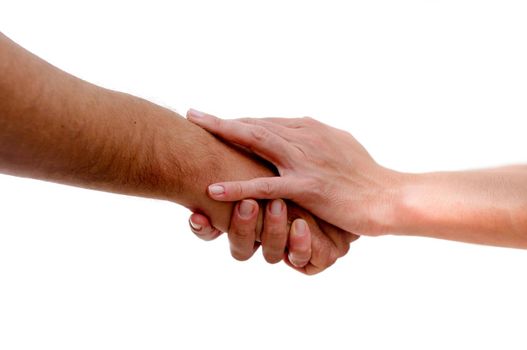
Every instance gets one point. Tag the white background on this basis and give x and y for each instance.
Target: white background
(424, 85)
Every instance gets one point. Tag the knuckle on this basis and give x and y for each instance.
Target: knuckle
(217, 122)
(237, 189)
(276, 238)
(238, 235)
(309, 120)
(311, 181)
(312, 186)
(327, 258)
(259, 133)
(246, 120)
(264, 188)
(331, 258)
(274, 246)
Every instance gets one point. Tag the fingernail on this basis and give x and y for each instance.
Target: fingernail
(246, 209)
(276, 207)
(216, 189)
(196, 114)
(293, 261)
(195, 226)
(300, 227)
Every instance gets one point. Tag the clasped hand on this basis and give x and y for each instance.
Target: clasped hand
(344, 189)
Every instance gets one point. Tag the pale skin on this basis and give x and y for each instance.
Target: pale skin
(56, 127)
(328, 172)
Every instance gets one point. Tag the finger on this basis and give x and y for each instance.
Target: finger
(277, 128)
(256, 138)
(305, 269)
(242, 230)
(201, 227)
(259, 188)
(290, 123)
(299, 244)
(324, 252)
(275, 230)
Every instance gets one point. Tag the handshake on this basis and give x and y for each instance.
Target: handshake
(322, 187)
(320, 169)
(328, 173)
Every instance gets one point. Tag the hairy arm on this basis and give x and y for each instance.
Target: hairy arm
(56, 127)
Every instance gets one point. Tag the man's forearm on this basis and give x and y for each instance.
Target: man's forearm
(485, 206)
(56, 127)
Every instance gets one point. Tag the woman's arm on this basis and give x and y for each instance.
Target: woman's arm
(56, 127)
(480, 206)
(328, 172)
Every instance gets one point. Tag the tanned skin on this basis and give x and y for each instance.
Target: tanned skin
(56, 127)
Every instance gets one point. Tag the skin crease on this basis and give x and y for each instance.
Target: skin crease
(56, 127)
(349, 189)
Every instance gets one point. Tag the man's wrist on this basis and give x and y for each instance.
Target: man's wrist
(188, 159)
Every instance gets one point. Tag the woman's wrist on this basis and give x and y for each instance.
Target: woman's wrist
(423, 204)
(389, 212)
(481, 206)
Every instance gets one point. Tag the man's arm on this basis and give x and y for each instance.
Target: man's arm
(59, 128)
(56, 127)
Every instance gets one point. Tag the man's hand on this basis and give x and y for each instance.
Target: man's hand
(277, 243)
(328, 243)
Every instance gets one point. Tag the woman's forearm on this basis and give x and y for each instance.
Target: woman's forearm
(485, 206)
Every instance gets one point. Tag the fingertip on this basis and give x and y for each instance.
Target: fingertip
(290, 264)
(275, 231)
(275, 259)
(241, 255)
(297, 262)
(299, 243)
(227, 191)
(195, 114)
(202, 228)
(199, 221)
(216, 191)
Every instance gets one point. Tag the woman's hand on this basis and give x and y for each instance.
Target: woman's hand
(323, 169)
